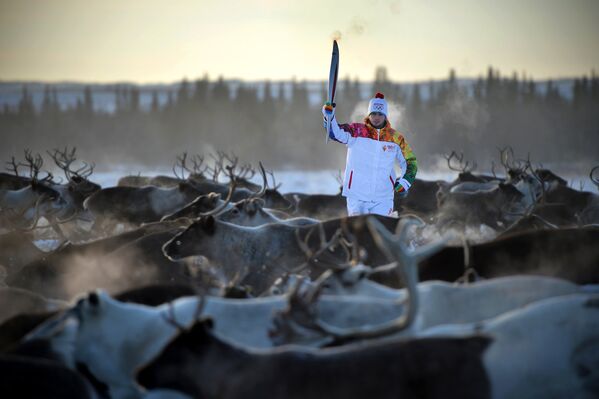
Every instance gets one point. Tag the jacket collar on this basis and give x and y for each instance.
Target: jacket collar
(385, 129)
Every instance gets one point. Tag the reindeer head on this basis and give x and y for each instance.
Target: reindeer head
(202, 204)
(245, 213)
(50, 193)
(191, 241)
(65, 159)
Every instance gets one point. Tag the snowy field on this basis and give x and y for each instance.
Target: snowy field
(311, 182)
(316, 182)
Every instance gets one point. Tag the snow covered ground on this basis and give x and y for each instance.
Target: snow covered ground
(313, 182)
(297, 181)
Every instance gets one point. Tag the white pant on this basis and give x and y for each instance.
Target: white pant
(358, 207)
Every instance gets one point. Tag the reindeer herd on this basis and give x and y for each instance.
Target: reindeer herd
(206, 285)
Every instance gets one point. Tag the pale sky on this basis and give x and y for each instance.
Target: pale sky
(148, 41)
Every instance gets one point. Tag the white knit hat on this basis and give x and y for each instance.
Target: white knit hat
(378, 104)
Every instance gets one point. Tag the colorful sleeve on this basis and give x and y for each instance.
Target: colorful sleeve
(411, 163)
(341, 133)
(346, 127)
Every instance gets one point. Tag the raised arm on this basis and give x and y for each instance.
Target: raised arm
(337, 132)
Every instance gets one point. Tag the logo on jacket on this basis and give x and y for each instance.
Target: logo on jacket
(388, 147)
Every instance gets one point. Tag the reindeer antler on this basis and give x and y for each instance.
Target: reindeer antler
(275, 186)
(300, 315)
(462, 167)
(315, 258)
(232, 186)
(510, 164)
(218, 165)
(262, 191)
(13, 166)
(197, 162)
(35, 163)
(181, 162)
(291, 322)
(64, 160)
(533, 172)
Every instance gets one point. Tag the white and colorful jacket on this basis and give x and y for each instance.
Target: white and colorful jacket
(371, 156)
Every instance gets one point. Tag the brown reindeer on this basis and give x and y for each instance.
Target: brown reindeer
(22, 208)
(75, 191)
(262, 254)
(201, 365)
(568, 253)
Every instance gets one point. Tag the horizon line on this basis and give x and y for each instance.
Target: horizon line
(592, 74)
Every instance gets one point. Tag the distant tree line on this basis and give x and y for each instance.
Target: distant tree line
(203, 115)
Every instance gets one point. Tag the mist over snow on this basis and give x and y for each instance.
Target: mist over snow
(327, 181)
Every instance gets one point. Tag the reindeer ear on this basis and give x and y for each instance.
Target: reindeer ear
(208, 323)
(93, 298)
(208, 224)
(251, 207)
(200, 329)
(509, 189)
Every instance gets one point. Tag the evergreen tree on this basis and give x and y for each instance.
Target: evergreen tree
(299, 96)
(452, 81)
(155, 107)
(47, 106)
(356, 95)
(268, 99)
(220, 92)
(594, 89)
(416, 101)
(26, 108)
(88, 103)
(183, 93)
(478, 90)
(200, 93)
(134, 99)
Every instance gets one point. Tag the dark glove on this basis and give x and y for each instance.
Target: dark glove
(402, 185)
